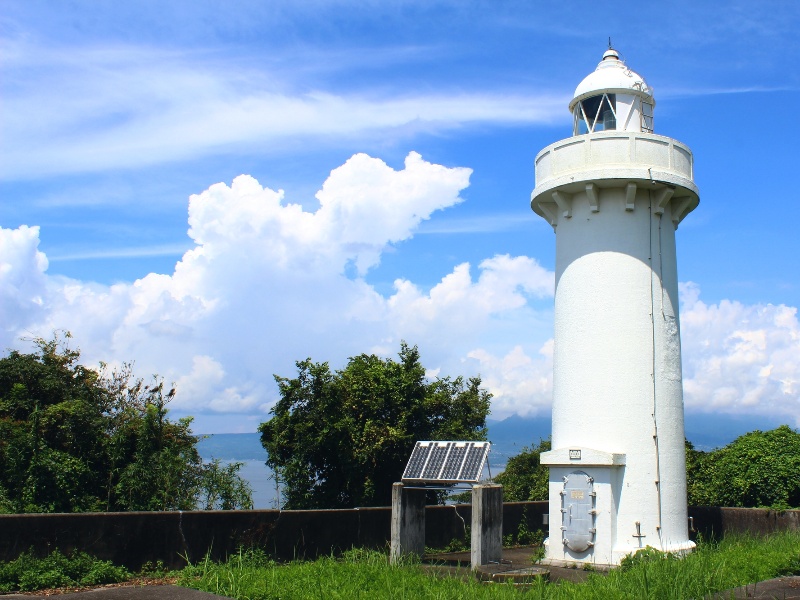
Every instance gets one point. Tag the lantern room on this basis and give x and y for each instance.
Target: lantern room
(612, 98)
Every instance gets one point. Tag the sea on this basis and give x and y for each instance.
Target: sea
(244, 448)
(509, 437)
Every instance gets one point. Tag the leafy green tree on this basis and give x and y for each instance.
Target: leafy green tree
(223, 489)
(525, 478)
(758, 469)
(340, 439)
(696, 486)
(72, 439)
(51, 431)
(155, 461)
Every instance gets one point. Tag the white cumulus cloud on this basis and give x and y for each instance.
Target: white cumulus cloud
(517, 376)
(22, 278)
(268, 282)
(740, 358)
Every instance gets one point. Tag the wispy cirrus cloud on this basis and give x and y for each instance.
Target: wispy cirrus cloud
(711, 91)
(114, 253)
(124, 107)
(487, 223)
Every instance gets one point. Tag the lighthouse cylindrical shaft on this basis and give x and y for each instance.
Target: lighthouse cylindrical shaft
(614, 200)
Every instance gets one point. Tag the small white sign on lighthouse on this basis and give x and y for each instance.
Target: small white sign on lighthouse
(614, 194)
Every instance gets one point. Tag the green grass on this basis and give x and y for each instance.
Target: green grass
(358, 574)
(29, 573)
(713, 567)
(251, 575)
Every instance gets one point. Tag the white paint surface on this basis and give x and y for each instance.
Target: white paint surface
(612, 76)
(615, 199)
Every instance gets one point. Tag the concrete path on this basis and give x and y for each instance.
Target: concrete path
(130, 592)
(781, 588)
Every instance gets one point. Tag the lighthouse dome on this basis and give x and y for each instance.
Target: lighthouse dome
(611, 75)
(612, 97)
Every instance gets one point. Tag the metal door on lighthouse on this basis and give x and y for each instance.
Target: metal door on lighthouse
(577, 510)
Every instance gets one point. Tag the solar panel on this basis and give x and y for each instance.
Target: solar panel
(416, 463)
(473, 463)
(455, 460)
(446, 462)
(435, 460)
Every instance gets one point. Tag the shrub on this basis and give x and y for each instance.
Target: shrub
(758, 469)
(28, 572)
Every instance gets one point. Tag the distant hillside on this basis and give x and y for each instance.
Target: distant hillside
(705, 430)
(708, 431)
(511, 435)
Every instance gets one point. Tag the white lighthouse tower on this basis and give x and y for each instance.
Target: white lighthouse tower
(615, 193)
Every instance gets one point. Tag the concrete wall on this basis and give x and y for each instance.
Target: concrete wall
(134, 538)
(714, 521)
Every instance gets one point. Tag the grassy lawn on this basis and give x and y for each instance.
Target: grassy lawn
(735, 561)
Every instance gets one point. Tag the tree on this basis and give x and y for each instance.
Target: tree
(223, 489)
(525, 478)
(340, 439)
(758, 469)
(154, 461)
(73, 439)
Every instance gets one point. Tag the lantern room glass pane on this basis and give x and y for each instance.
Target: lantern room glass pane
(601, 112)
(609, 120)
(647, 117)
(579, 126)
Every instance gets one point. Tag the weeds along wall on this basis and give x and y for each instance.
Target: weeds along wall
(135, 538)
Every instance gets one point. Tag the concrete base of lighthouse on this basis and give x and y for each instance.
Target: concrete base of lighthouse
(589, 530)
(586, 531)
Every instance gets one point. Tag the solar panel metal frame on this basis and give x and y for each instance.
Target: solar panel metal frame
(446, 462)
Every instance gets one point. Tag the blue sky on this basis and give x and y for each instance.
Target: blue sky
(114, 114)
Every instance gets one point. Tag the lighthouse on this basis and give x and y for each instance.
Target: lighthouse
(614, 193)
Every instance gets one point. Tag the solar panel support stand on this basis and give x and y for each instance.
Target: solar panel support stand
(408, 522)
(486, 544)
